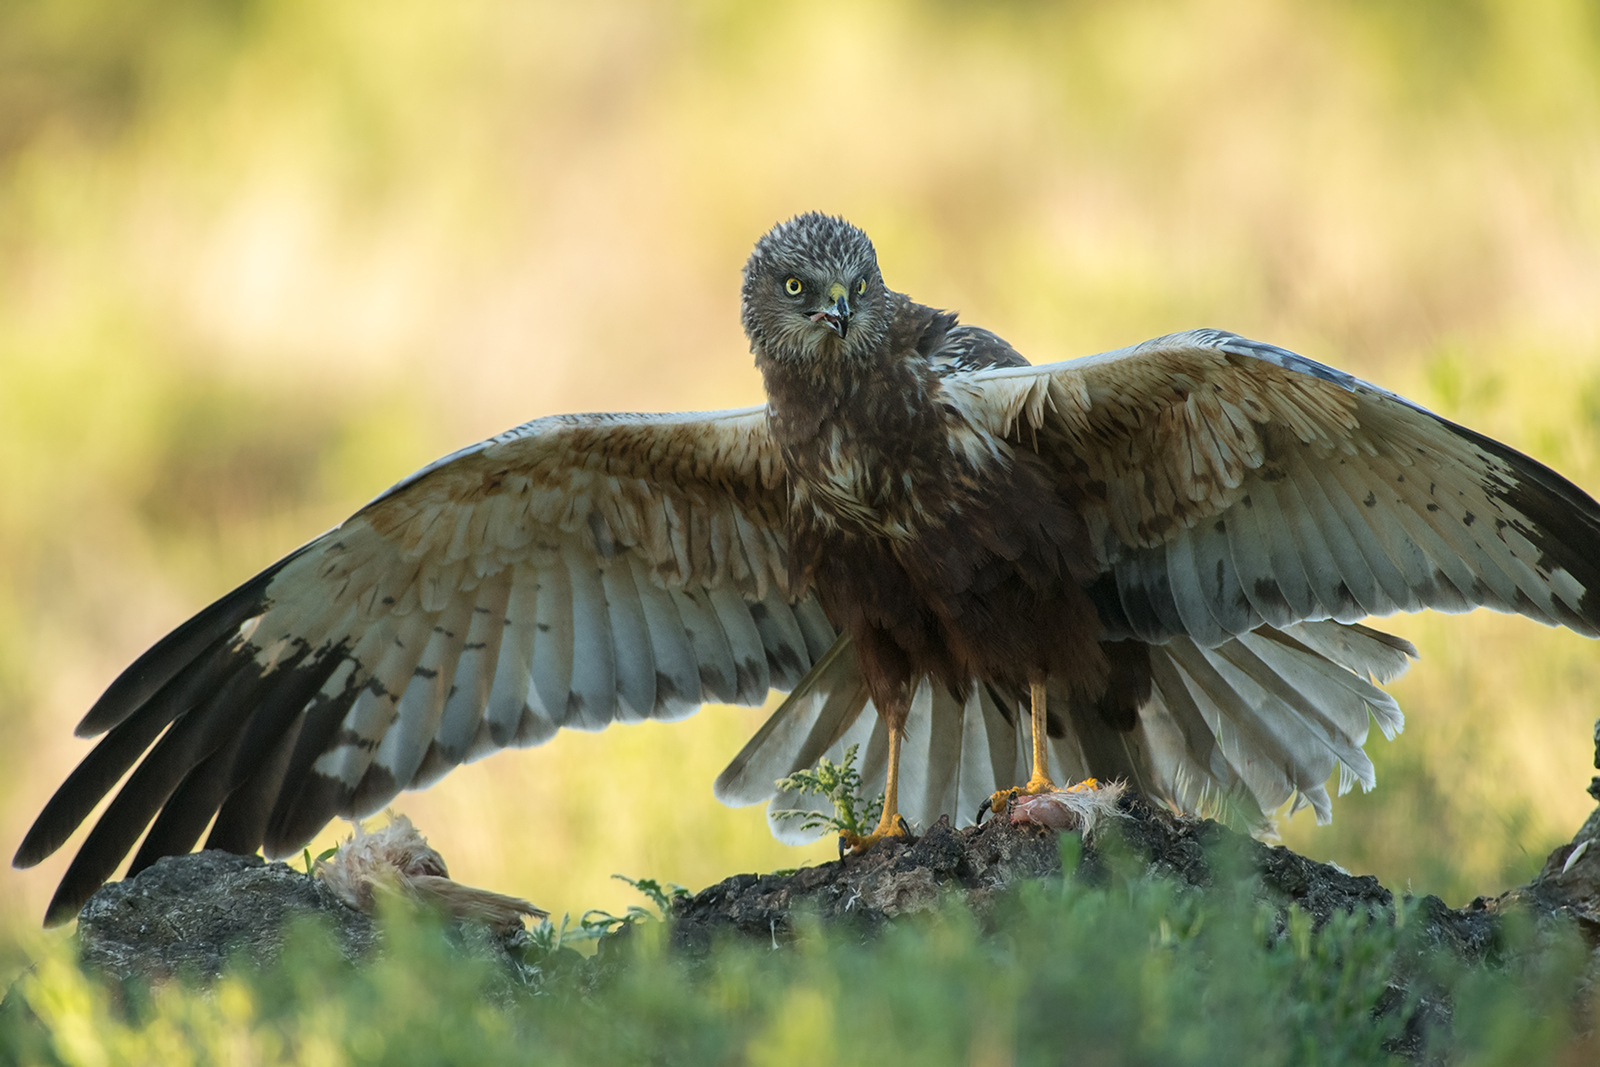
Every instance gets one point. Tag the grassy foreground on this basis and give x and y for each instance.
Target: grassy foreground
(1142, 972)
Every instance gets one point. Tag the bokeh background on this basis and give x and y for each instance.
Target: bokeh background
(260, 259)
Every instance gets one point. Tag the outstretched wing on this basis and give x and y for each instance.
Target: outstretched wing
(1248, 507)
(1232, 484)
(572, 572)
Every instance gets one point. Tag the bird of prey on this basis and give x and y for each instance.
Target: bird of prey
(1148, 565)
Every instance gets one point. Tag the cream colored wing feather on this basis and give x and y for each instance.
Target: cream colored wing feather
(572, 572)
(1232, 484)
(1248, 506)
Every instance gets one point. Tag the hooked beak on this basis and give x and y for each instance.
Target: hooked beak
(836, 314)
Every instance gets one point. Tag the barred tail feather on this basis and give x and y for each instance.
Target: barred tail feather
(806, 726)
(1258, 721)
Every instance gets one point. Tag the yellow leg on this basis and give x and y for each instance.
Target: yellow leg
(1039, 781)
(890, 824)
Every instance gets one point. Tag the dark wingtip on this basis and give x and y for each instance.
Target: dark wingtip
(84, 788)
(32, 850)
(318, 801)
(62, 909)
(88, 871)
(147, 674)
(124, 744)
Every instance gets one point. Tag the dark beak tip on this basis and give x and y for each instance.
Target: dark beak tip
(838, 322)
(837, 317)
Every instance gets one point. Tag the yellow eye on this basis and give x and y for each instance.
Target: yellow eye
(861, 287)
(793, 287)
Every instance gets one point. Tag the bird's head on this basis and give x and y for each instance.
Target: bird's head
(812, 291)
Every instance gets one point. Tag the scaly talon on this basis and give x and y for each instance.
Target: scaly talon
(890, 824)
(1033, 787)
(1039, 782)
(997, 803)
(888, 828)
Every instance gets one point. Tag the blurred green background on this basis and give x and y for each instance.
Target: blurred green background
(259, 260)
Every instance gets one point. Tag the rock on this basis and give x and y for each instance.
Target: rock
(896, 878)
(188, 915)
(1568, 886)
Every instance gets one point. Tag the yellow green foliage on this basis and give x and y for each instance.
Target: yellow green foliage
(258, 260)
(1142, 973)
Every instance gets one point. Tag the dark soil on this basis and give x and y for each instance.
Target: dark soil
(191, 915)
(896, 877)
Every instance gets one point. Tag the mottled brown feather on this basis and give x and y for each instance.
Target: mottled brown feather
(375, 613)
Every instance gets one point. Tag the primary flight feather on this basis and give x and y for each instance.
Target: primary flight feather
(1149, 564)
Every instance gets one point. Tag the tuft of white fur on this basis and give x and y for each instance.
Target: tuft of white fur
(1069, 809)
(396, 858)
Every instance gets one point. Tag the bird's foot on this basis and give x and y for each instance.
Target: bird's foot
(1035, 786)
(890, 827)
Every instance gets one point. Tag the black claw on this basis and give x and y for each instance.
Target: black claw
(841, 846)
(987, 807)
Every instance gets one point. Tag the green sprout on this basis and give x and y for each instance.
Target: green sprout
(548, 938)
(597, 922)
(311, 864)
(664, 897)
(840, 784)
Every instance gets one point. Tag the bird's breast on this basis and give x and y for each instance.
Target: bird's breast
(891, 481)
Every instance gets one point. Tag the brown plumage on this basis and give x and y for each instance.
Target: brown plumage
(1171, 544)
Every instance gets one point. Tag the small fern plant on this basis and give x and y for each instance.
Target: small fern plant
(664, 895)
(840, 784)
(548, 938)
